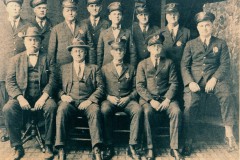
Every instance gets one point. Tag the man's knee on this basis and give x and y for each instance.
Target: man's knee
(9, 106)
(94, 111)
(63, 108)
(106, 108)
(147, 109)
(175, 110)
(136, 109)
(50, 106)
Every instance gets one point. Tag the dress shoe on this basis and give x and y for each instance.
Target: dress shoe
(132, 153)
(175, 153)
(61, 154)
(109, 153)
(19, 153)
(97, 153)
(231, 142)
(5, 137)
(187, 150)
(48, 155)
(150, 155)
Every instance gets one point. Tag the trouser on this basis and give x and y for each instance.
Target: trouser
(3, 99)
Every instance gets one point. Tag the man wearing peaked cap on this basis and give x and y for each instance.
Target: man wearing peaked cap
(205, 69)
(17, 1)
(119, 80)
(157, 83)
(30, 83)
(83, 95)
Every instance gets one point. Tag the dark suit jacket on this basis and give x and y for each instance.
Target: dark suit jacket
(103, 49)
(17, 76)
(120, 86)
(61, 37)
(92, 77)
(11, 43)
(95, 32)
(156, 84)
(198, 63)
(140, 40)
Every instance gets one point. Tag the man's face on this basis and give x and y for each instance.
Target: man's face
(69, 14)
(40, 11)
(117, 54)
(155, 49)
(172, 17)
(205, 28)
(13, 9)
(143, 18)
(78, 54)
(94, 9)
(115, 17)
(32, 44)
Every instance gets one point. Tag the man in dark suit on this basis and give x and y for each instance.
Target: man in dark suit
(157, 85)
(141, 30)
(81, 88)
(115, 32)
(205, 69)
(11, 44)
(119, 80)
(30, 84)
(41, 21)
(63, 33)
(94, 22)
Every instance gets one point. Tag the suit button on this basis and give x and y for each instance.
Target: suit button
(14, 42)
(118, 81)
(156, 77)
(119, 90)
(204, 64)
(204, 57)
(202, 72)
(14, 49)
(144, 50)
(93, 34)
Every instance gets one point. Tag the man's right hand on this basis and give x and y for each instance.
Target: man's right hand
(23, 103)
(114, 100)
(66, 98)
(155, 104)
(194, 87)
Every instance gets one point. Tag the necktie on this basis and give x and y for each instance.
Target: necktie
(205, 44)
(156, 63)
(172, 34)
(14, 27)
(145, 31)
(41, 23)
(94, 23)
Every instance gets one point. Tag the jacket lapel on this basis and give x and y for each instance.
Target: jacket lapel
(167, 35)
(87, 72)
(112, 69)
(21, 25)
(150, 67)
(25, 64)
(200, 45)
(109, 34)
(161, 65)
(47, 26)
(124, 69)
(121, 33)
(99, 25)
(211, 44)
(139, 32)
(67, 29)
(179, 34)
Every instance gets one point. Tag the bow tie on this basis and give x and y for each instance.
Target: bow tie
(119, 64)
(116, 28)
(33, 54)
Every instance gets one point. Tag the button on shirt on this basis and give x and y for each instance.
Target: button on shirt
(116, 31)
(33, 57)
(11, 20)
(77, 67)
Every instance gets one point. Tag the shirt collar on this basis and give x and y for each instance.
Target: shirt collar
(16, 20)
(39, 20)
(37, 53)
(207, 40)
(79, 64)
(175, 28)
(96, 19)
(153, 59)
(119, 27)
(141, 26)
(117, 63)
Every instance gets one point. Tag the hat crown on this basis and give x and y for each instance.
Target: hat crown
(77, 41)
(114, 6)
(69, 3)
(117, 43)
(155, 38)
(204, 16)
(34, 3)
(142, 9)
(32, 32)
(94, 1)
(18, 1)
(172, 7)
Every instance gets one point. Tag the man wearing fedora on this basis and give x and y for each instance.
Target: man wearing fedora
(115, 32)
(205, 69)
(119, 80)
(157, 84)
(11, 44)
(41, 21)
(63, 33)
(81, 88)
(30, 84)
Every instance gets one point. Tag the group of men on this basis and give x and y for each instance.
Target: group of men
(100, 68)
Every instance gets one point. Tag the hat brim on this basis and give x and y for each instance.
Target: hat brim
(36, 35)
(69, 48)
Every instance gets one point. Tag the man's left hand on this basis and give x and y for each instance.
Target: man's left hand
(210, 85)
(41, 101)
(84, 104)
(123, 101)
(164, 104)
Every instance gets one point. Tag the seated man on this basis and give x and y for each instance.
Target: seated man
(119, 81)
(81, 89)
(30, 84)
(157, 85)
(205, 68)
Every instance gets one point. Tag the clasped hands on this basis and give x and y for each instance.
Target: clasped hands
(82, 106)
(120, 102)
(210, 85)
(160, 106)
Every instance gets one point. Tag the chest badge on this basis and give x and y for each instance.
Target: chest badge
(215, 50)
(179, 43)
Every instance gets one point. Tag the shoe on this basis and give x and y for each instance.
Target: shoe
(132, 153)
(97, 153)
(19, 153)
(175, 153)
(187, 150)
(231, 142)
(48, 155)
(109, 153)
(5, 137)
(61, 154)
(150, 155)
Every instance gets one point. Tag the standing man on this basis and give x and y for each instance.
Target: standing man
(95, 23)
(41, 21)
(205, 69)
(11, 44)
(141, 30)
(119, 79)
(114, 33)
(30, 84)
(81, 88)
(157, 85)
(63, 34)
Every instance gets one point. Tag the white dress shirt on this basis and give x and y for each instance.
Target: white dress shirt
(92, 19)
(76, 67)
(142, 27)
(39, 21)
(174, 29)
(116, 31)
(206, 40)
(11, 20)
(33, 58)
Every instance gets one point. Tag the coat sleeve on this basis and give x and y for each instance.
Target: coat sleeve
(133, 94)
(100, 49)
(59, 82)
(53, 45)
(132, 51)
(92, 59)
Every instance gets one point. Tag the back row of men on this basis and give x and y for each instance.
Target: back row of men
(50, 63)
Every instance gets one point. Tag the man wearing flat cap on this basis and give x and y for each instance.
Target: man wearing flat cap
(157, 83)
(205, 70)
(141, 30)
(94, 22)
(10, 45)
(63, 33)
(121, 96)
(175, 39)
(115, 32)
(81, 88)
(30, 84)
(41, 21)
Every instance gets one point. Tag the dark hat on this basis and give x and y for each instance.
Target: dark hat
(18, 1)
(114, 6)
(155, 38)
(34, 3)
(94, 2)
(172, 7)
(204, 16)
(31, 31)
(78, 43)
(116, 44)
(142, 10)
(69, 3)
